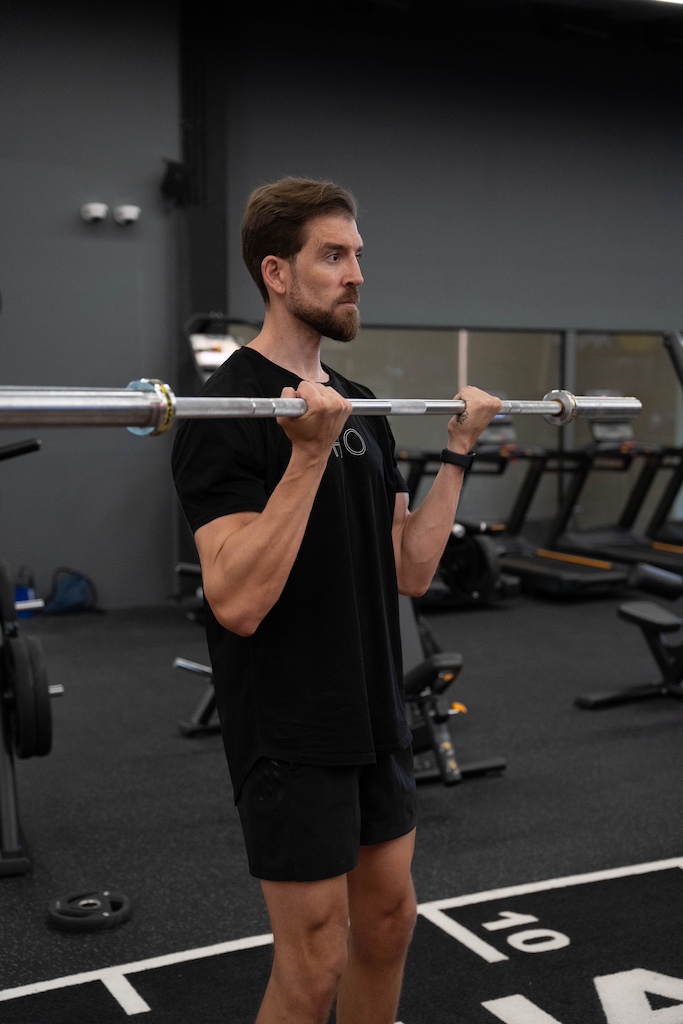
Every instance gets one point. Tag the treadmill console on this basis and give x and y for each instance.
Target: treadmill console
(611, 433)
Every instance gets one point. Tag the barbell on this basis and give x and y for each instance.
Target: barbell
(148, 406)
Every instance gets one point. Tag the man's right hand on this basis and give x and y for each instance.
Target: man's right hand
(317, 430)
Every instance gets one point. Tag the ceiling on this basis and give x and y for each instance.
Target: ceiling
(624, 14)
(600, 14)
(646, 35)
(640, 9)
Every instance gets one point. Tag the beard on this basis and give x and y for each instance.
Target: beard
(339, 323)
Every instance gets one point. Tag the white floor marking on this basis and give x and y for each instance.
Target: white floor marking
(110, 976)
(518, 1010)
(463, 935)
(124, 993)
(554, 883)
(114, 978)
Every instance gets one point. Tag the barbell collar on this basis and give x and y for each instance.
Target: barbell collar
(149, 406)
(594, 407)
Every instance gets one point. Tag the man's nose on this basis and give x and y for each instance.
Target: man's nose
(355, 275)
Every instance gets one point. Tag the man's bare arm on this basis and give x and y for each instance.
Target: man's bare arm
(246, 558)
(420, 537)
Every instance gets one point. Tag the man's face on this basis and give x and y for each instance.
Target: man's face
(326, 277)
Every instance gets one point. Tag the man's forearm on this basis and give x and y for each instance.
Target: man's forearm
(420, 538)
(425, 532)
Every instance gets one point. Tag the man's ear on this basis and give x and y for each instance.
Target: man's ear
(272, 268)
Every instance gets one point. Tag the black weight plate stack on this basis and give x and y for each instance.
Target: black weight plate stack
(41, 698)
(28, 693)
(89, 911)
(7, 609)
(22, 697)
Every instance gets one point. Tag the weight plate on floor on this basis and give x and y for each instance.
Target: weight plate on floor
(22, 697)
(88, 911)
(41, 698)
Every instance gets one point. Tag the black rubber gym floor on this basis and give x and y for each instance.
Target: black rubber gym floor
(549, 892)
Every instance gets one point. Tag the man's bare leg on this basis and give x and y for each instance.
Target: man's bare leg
(310, 931)
(382, 911)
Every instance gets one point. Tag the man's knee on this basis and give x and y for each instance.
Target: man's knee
(324, 954)
(311, 969)
(386, 937)
(401, 921)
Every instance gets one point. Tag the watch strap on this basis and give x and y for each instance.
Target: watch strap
(455, 459)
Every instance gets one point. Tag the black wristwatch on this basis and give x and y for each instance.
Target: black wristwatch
(465, 461)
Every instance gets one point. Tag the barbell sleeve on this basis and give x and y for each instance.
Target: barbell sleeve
(148, 406)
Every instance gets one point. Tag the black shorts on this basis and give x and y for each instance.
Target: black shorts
(304, 822)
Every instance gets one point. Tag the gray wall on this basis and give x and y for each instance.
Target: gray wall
(89, 98)
(503, 181)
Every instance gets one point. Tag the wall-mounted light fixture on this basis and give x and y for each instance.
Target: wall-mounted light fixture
(93, 213)
(126, 214)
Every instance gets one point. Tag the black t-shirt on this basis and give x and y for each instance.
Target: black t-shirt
(320, 680)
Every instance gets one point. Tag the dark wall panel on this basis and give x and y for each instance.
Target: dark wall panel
(523, 181)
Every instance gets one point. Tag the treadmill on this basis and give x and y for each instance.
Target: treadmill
(662, 529)
(549, 571)
(539, 570)
(614, 450)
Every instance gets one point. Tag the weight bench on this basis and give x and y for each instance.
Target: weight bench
(428, 672)
(658, 626)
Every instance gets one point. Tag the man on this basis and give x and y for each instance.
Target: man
(305, 541)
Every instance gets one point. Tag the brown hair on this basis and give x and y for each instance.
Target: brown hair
(276, 216)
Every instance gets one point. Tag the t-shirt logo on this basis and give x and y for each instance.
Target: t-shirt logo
(350, 441)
